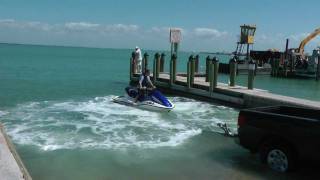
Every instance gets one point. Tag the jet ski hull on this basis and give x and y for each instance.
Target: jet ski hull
(147, 105)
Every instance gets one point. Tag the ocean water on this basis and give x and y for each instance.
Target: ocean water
(55, 104)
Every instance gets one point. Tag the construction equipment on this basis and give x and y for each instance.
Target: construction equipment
(246, 38)
(300, 50)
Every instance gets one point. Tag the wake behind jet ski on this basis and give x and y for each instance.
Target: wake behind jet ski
(146, 96)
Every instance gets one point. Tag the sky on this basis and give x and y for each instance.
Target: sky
(206, 25)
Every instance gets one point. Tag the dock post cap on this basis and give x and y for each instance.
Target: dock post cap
(191, 57)
(157, 55)
(208, 58)
(174, 56)
(145, 54)
(252, 65)
(215, 59)
(197, 56)
(163, 54)
(233, 59)
(252, 62)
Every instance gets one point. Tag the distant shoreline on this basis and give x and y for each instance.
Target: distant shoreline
(49, 45)
(143, 49)
(217, 53)
(65, 46)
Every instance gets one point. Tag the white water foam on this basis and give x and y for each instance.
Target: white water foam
(2, 113)
(100, 123)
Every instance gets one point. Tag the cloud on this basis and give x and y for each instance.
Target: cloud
(262, 37)
(298, 37)
(68, 26)
(82, 33)
(128, 35)
(26, 25)
(278, 40)
(208, 33)
(6, 21)
(122, 28)
(112, 28)
(79, 26)
(311, 45)
(160, 30)
(165, 30)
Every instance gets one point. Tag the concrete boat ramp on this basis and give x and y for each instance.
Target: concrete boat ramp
(11, 166)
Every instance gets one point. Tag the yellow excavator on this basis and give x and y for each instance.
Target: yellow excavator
(300, 50)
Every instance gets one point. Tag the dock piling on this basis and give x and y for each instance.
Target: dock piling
(197, 58)
(207, 68)
(277, 64)
(233, 71)
(211, 79)
(192, 68)
(251, 69)
(173, 63)
(189, 74)
(318, 68)
(156, 67)
(285, 66)
(210, 71)
(162, 61)
(272, 66)
(215, 62)
(145, 61)
(292, 61)
(132, 66)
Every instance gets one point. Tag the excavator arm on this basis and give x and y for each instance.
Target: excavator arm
(300, 50)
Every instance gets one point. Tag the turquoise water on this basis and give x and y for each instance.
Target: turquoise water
(55, 103)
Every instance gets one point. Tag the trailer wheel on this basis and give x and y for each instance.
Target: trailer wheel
(278, 157)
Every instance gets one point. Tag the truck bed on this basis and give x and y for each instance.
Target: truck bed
(295, 112)
(294, 131)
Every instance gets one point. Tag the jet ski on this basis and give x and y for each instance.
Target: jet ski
(153, 100)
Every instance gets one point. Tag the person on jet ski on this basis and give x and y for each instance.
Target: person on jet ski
(144, 84)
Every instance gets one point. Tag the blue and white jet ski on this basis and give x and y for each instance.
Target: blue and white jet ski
(153, 100)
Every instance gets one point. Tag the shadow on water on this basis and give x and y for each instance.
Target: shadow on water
(120, 83)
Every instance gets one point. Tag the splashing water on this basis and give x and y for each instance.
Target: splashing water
(101, 124)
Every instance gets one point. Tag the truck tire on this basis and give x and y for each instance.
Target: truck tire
(277, 156)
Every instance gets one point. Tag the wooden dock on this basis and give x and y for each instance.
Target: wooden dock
(238, 96)
(206, 87)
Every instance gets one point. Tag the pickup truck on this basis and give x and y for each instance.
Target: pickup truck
(282, 135)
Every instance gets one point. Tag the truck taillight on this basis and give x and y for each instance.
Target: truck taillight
(241, 120)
